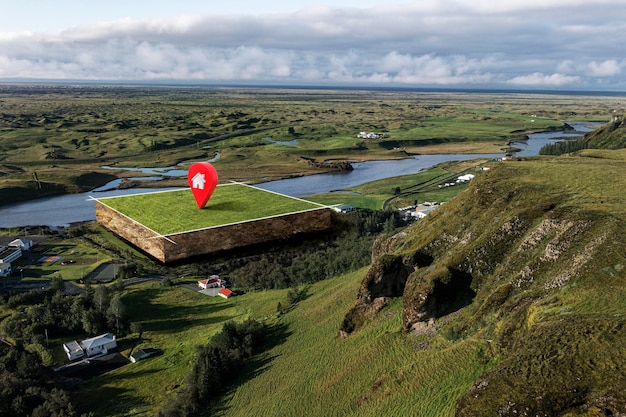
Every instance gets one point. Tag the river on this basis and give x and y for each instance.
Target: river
(63, 210)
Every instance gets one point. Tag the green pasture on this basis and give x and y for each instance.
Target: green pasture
(176, 211)
(174, 320)
(420, 187)
(77, 259)
(306, 368)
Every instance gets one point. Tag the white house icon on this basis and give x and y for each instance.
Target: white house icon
(198, 181)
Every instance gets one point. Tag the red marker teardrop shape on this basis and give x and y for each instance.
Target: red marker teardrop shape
(202, 179)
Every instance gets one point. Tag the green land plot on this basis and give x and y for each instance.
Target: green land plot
(176, 211)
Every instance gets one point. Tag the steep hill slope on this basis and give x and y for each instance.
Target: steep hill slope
(529, 260)
(610, 136)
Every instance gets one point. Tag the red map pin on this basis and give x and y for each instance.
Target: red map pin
(202, 179)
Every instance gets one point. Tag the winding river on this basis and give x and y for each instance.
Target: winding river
(63, 210)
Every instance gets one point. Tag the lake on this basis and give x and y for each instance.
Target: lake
(63, 210)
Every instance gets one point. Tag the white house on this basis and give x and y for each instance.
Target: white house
(344, 208)
(23, 244)
(90, 347)
(99, 344)
(214, 281)
(198, 181)
(73, 350)
(465, 178)
(9, 254)
(418, 214)
(5, 269)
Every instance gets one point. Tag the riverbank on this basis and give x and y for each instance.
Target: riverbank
(66, 209)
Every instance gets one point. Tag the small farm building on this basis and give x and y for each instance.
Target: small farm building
(23, 244)
(225, 293)
(73, 350)
(5, 269)
(344, 208)
(9, 254)
(213, 281)
(142, 354)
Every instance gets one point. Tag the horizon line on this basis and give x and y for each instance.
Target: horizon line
(311, 86)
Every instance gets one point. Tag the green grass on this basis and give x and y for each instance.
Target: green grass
(372, 373)
(307, 373)
(420, 187)
(84, 255)
(163, 126)
(176, 211)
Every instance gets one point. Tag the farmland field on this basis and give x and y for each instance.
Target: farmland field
(176, 211)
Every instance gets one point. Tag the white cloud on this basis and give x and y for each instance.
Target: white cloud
(604, 69)
(541, 80)
(431, 42)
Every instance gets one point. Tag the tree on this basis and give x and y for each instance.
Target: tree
(116, 312)
(92, 322)
(101, 299)
(57, 284)
(136, 327)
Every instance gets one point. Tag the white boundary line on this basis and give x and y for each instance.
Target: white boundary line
(280, 194)
(158, 235)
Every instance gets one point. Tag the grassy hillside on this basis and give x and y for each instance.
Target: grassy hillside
(529, 260)
(313, 372)
(611, 136)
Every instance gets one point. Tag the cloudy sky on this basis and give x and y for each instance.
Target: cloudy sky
(511, 44)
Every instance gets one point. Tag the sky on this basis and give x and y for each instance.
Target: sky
(501, 44)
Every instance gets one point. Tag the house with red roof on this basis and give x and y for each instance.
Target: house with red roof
(213, 281)
(225, 292)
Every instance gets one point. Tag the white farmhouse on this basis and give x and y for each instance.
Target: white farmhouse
(99, 345)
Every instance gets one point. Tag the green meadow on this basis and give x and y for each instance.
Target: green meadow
(171, 212)
(306, 370)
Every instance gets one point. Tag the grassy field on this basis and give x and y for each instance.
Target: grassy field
(377, 372)
(70, 259)
(520, 331)
(176, 211)
(306, 371)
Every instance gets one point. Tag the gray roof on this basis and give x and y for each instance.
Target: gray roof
(97, 341)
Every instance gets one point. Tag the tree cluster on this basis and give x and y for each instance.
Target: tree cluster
(216, 366)
(317, 260)
(564, 146)
(24, 390)
(41, 313)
